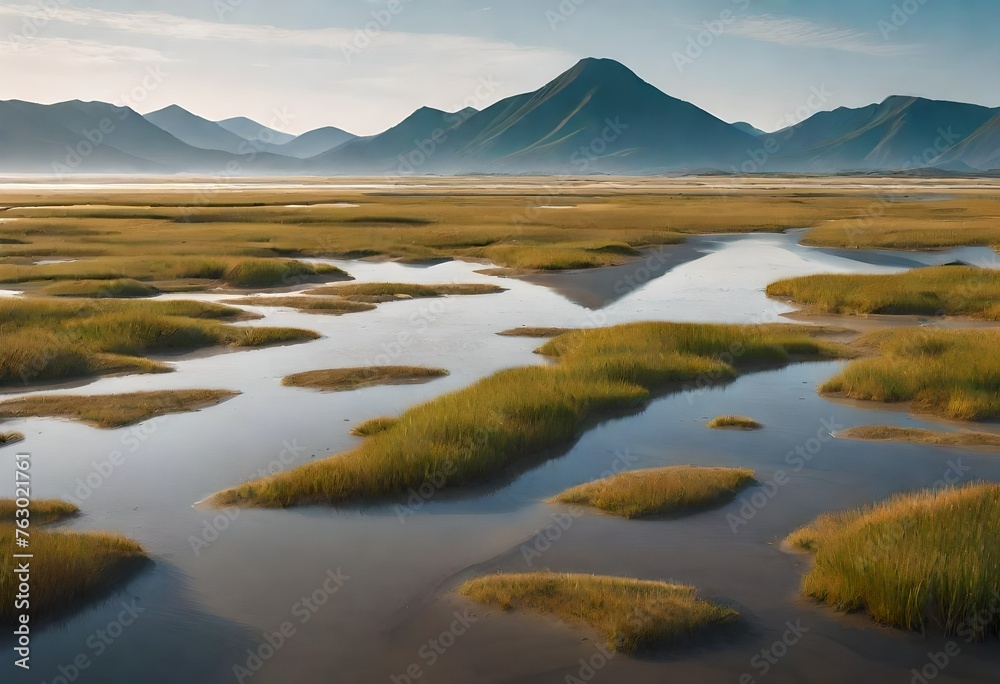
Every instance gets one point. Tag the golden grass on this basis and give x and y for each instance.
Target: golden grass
(346, 379)
(120, 289)
(916, 560)
(632, 614)
(943, 290)
(364, 292)
(513, 417)
(333, 306)
(114, 410)
(373, 426)
(68, 567)
(8, 438)
(950, 373)
(734, 423)
(540, 333)
(674, 490)
(888, 433)
(42, 511)
(48, 339)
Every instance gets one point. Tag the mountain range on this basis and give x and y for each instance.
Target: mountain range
(596, 118)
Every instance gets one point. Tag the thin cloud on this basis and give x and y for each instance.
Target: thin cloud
(802, 33)
(77, 51)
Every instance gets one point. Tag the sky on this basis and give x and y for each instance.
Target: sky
(364, 65)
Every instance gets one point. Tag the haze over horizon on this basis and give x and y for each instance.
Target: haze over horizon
(305, 64)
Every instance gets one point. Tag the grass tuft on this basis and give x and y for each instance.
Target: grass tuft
(916, 560)
(631, 614)
(114, 410)
(100, 289)
(365, 292)
(373, 427)
(674, 490)
(734, 423)
(43, 511)
(540, 333)
(8, 438)
(888, 433)
(316, 305)
(346, 379)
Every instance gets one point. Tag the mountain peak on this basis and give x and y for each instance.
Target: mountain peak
(601, 68)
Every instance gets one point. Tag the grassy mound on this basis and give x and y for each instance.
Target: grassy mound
(318, 305)
(68, 567)
(44, 340)
(99, 289)
(661, 491)
(631, 614)
(950, 373)
(346, 379)
(888, 433)
(917, 560)
(114, 410)
(540, 333)
(8, 438)
(944, 290)
(391, 291)
(734, 423)
(473, 435)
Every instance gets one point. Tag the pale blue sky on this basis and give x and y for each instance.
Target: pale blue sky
(297, 63)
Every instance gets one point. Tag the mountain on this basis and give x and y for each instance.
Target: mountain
(96, 137)
(598, 117)
(898, 133)
(248, 129)
(198, 132)
(747, 128)
(981, 150)
(313, 143)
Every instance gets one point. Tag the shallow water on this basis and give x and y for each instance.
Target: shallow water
(205, 603)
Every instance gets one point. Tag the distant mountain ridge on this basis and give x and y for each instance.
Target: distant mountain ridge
(598, 117)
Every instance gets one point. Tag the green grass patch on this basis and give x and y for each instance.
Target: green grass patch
(888, 433)
(917, 560)
(734, 423)
(334, 306)
(113, 410)
(943, 290)
(950, 373)
(511, 418)
(632, 614)
(346, 379)
(670, 491)
(373, 426)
